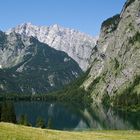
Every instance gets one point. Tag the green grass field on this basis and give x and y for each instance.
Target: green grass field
(17, 132)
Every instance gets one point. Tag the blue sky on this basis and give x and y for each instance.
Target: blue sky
(83, 15)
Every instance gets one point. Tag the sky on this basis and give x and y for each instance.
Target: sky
(83, 15)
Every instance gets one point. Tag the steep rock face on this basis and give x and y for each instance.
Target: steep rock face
(115, 65)
(29, 66)
(77, 45)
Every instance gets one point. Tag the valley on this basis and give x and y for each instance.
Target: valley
(59, 83)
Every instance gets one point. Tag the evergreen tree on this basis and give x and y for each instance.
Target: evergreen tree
(0, 111)
(40, 122)
(8, 112)
(50, 123)
(23, 120)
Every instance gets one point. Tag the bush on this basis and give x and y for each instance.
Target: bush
(23, 120)
(111, 22)
(0, 111)
(40, 122)
(106, 99)
(50, 124)
(116, 64)
(135, 38)
(128, 97)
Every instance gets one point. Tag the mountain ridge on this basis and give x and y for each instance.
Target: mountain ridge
(115, 67)
(29, 66)
(76, 44)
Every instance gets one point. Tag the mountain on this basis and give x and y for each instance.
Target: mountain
(29, 66)
(114, 76)
(76, 44)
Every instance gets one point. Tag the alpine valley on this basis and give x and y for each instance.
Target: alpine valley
(29, 65)
(72, 80)
(77, 45)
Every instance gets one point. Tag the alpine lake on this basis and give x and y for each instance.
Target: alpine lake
(68, 117)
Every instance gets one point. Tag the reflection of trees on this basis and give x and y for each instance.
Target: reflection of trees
(69, 117)
(98, 117)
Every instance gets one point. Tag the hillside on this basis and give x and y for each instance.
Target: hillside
(17, 132)
(114, 77)
(76, 44)
(29, 66)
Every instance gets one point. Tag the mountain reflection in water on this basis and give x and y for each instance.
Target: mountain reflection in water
(70, 118)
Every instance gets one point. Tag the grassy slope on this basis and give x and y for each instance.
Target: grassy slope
(18, 132)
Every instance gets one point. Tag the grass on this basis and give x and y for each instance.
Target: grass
(17, 132)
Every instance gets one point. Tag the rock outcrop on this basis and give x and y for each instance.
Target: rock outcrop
(76, 44)
(29, 66)
(115, 64)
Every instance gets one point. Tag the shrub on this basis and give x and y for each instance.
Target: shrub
(50, 123)
(23, 120)
(111, 22)
(128, 97)
(135, 38)
(40, 122)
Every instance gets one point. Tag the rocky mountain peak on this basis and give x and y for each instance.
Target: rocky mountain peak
(29, 66)
(76, 44)
(115, 65)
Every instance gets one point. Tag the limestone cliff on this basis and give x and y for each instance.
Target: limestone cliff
(115, 63)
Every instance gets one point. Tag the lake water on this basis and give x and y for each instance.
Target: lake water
(70, 118)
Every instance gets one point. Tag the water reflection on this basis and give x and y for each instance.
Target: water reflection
(62, 117)
(69, 117)
(99, 117)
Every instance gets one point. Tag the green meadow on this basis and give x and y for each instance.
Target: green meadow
(18, 132)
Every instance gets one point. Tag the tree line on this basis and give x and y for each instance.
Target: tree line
(7, 114)
(70, 94)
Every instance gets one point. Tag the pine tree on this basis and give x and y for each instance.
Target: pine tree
(40, 122)
(50, 123)
(0, 111)
(23, 120)
(8, 112)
